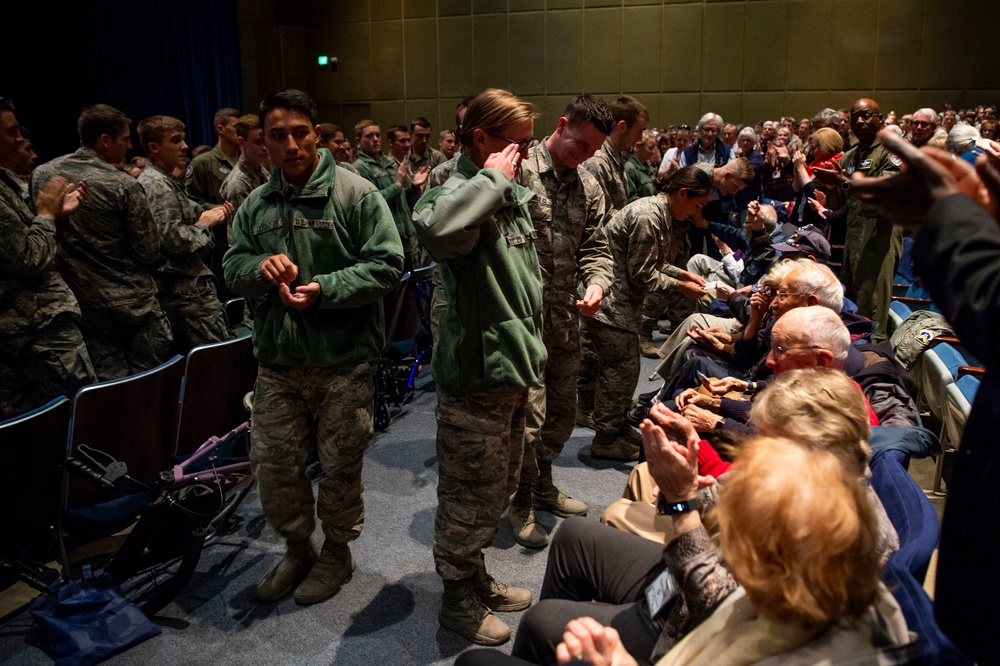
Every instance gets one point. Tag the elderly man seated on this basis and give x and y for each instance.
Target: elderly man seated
(805, 337)
(797, 574)
(806, 283)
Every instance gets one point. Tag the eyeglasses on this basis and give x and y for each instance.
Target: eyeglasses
(782, 294)
(521, 145)
(921, 123)
(684, 127)
(780, 351)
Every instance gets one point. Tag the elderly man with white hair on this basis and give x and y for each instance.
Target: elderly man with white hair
(709, 147)
(926, 123)
(804, 337)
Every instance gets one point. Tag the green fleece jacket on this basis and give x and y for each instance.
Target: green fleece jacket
(477, 226)
(338, 230)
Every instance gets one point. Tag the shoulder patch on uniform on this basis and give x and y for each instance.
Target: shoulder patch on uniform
(894, 159)
(190, 171)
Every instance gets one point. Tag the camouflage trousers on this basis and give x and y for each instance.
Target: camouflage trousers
(126, 341)
(552, 401)
(299, 412)
(42, 365)
(674, 307)
(612, 371)
(193, 308)
(480, 438)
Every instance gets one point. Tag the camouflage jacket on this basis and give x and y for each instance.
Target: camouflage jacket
(183, 241)
(241, 181)
(646, 244)
(109, 247)
(608, 167)
(431, 158)
(32, 292)
(205, 176)
(569, 217)
(381, 173)
(443, 171)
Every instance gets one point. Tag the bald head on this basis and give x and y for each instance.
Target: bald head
(866, 119)
(808, 337)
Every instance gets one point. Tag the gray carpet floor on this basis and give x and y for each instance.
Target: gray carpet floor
(387, 614)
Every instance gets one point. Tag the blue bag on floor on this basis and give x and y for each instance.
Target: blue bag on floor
(86, 621)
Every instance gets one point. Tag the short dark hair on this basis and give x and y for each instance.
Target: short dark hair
(246, 124)
(589, 108)
(419, 121)
(691, 178)
(390, 136)
(329, 130)
(222, 115)
(291, 100)
(464, 104)
(98, 120)
(6, 104)
(628, 109)
(153, 129)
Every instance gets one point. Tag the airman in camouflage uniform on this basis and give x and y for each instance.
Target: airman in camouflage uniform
(421, 153)
(108, 250)
(645, 239)
(186, 285)
(250, 171)
(42, 353)
(608, 164)
(489, 352)
(317, 246)
(208, 171)
(392, 182)
(568, 212)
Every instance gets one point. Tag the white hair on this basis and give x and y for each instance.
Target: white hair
(961, 138)
(707, 117)
(747, 132)
(930, 113)
(768, 215)
(826, 117)
(769, 123)
(815, 279)
(819, 327)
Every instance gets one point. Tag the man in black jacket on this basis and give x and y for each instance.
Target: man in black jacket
(957, 254)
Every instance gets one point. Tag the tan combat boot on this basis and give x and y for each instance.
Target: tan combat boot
(521, 515)
(613, 446)
(546, 497)
(463, 612)
(499, 596)
(278, 584)
(333, 568)
(647, 347)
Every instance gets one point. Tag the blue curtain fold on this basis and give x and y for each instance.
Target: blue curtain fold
(149, 57)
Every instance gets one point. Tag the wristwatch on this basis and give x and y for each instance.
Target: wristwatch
(665, 508)
(845, 185)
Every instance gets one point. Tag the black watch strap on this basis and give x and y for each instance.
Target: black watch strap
(665, 508)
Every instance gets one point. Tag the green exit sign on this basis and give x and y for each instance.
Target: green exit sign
(323, 61)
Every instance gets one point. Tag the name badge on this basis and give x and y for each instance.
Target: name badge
(660, 593)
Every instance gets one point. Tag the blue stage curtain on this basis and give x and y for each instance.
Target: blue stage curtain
(147, 57)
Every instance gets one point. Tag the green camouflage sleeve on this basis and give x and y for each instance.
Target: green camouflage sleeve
(25, 250)
(177, 238)
(448, 219)
(143, 235)
(594, 255)
(642, 261)
(380, 258)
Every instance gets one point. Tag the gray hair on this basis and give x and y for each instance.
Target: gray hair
(819, 327)
(961, 138)
(769, 123)
(930, 113)
(769, 216)
(747, 132)
(815, 279)
(710, 116)
(826, 117)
